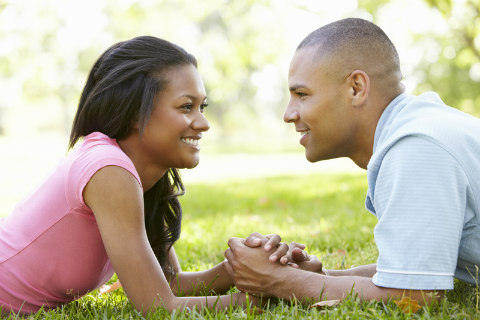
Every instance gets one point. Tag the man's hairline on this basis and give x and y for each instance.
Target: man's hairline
(323, 55)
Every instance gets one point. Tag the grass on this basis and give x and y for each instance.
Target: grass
(324, 211)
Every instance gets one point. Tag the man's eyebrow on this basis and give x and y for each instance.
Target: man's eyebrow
(296, 86)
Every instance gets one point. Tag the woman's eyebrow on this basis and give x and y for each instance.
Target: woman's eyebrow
(193, 97)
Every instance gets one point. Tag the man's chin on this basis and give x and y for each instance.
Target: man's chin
(310, 157)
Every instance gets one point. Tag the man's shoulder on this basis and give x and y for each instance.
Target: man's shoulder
(428, 117)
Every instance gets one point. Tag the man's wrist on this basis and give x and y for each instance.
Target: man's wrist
(284, 280)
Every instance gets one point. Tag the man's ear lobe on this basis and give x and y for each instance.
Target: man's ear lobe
(360, 86)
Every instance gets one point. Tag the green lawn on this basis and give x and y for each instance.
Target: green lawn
(326, 212)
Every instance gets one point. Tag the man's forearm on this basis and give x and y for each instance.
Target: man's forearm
(309, 286)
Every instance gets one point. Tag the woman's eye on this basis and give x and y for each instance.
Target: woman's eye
(301, 94)
(203, 106)
(187, 106)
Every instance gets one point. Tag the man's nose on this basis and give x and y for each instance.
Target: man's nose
(291, 113)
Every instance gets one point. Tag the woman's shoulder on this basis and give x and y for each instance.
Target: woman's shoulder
(97, 147)
(99, 141)
(96, 152)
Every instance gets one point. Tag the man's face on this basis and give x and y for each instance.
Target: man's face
(319, 106)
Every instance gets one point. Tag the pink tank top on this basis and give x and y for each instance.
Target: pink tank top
(51, 251)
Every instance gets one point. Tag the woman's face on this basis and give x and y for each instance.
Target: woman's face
(172, 134)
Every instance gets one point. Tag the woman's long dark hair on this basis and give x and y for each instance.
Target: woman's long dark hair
(119, 93)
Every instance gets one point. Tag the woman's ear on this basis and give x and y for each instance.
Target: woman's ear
(359, 83)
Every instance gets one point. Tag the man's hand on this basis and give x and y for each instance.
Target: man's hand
(250, 268)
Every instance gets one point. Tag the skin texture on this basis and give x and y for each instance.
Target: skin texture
(253, 272)
(335, 112)
(177, 115)
(336, 101)
(116, 199)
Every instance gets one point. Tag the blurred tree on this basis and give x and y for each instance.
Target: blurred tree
(40, 49)
(234, 40)
(450, 59)
(243, 49)
(456, 72)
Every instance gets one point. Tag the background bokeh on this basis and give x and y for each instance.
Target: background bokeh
(243, 46)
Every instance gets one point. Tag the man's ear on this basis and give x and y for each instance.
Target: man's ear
(359, 83)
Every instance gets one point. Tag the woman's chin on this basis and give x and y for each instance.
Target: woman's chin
(190, 165)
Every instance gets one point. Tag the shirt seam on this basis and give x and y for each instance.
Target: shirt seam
(36, 237)
(420, 273)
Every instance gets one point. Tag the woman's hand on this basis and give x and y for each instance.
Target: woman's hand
(106, 288)
(270, 242)
(297, 257)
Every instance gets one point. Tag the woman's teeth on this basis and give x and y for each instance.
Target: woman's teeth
(193, 142)
(304, 132)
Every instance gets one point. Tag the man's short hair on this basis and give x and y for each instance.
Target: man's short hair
(353, 37)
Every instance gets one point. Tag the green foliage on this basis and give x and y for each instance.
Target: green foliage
(372, 6)
(243, 48)
(324, 211)
(330, 220)
(456, 72)
(47, 61)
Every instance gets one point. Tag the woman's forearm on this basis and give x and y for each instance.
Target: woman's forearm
(215, 280)
(236, 299)
(361, 271)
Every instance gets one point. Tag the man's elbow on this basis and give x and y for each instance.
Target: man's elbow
(429, 297)
(423, 297)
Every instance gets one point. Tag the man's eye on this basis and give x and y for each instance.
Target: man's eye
(187, 106)
(301, 94)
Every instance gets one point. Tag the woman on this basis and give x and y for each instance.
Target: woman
(111, 204)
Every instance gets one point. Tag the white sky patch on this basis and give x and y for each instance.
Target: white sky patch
(475, 72)
(77, 31)
(449, 52)
(266, 82)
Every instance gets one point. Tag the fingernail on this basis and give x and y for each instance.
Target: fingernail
(268, 247)
(273, 258)
(283, 260)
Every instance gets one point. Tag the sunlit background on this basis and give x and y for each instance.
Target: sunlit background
(243, 47)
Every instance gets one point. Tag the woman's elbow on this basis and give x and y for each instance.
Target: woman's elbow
(170, 304)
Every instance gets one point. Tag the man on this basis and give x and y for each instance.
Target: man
(423, 169)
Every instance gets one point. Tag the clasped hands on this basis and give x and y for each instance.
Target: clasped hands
(257, 263)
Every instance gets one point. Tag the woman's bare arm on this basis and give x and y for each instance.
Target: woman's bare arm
(116, 199)
(212, 281)
(173, 259)
(368, 270)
